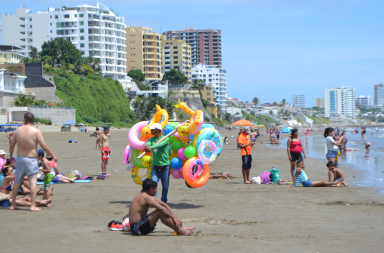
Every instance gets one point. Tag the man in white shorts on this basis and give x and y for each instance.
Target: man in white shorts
(27, 137)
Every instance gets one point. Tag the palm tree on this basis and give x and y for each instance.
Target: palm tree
(25, 60)
(255, 100)
(198, 84)
(34, 54)
(23, 100)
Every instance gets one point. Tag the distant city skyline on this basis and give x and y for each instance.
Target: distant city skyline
(272, 49)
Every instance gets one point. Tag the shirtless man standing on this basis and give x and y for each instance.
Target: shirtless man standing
(142, 223)
(105, 151)
(27, 137)
(98, 133)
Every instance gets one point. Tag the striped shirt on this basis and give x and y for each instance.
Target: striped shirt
(302, 177)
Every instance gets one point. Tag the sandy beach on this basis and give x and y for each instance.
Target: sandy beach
(229, 216)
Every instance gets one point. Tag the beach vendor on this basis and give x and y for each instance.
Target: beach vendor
(142, 223)
(160, 155)
(246, 145)
(105, 150)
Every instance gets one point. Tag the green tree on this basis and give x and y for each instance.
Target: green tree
(61, 48)
(137, 75)
(255, 100)
(34, 54)
(283, 101)
(199, 85)
(253, 113)
(181, 116)
(25, 60)
(227, 117)
(23, 100)
(175, 77)
(271, 112)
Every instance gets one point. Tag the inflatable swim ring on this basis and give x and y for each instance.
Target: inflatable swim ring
(196, 122)
(183, 106)
(133, 133)
(211, 135)
(138, 179)
(137, 162)
(203, 152)
(161, 117)
(127, 154)
(195, 172)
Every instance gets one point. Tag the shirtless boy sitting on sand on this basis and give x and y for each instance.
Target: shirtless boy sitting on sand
(142, 223)
(338, 175)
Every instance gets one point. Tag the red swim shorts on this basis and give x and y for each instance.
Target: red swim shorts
(105, 153)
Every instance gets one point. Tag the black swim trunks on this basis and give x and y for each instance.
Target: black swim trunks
(296, 156)
(247, 162)
(142, 227)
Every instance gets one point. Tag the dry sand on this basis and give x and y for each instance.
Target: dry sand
(229, 216)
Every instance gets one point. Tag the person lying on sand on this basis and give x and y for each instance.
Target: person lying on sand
(338, 175)
(218, 175)
(300, 177)
(142, 223)
(6, 189)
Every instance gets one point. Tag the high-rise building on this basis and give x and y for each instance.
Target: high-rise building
(25, 29)
(96, 31)
(176, 55)
(216, 77)
(379, 94)
(205, 44)
(144, 52)
(320, 102)
(340, 102)
(363, 100)
(298, 101)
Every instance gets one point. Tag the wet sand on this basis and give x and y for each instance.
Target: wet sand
(228, 215)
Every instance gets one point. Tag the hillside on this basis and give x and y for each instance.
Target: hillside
(95, 98)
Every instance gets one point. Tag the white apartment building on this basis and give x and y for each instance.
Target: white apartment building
(25, 29)
(215, 76)
(95, 31)
(11, 82)
(363, 100)
(298, 101)
(340, 101)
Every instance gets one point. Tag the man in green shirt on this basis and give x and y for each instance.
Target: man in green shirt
(160, 155)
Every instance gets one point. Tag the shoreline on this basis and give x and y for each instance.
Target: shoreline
(228, 215)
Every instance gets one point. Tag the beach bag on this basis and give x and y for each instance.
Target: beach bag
(265, 179)
(275, 175)
(257, 180)
(76, 174)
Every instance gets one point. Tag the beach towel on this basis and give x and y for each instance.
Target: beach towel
(76, 181)
(265, 177)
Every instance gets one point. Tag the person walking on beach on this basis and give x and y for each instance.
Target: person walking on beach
(98, 134)
(27, 137)
(245, 145)
(294, 149)
(105, 151)
(363, 132)
(253, 137)
(240, 132)
(160, 163)
(332, 146)
(142, 223)
(307, 135)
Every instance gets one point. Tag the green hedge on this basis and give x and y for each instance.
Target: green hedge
(96, 99)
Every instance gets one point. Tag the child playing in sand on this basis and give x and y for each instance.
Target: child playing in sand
(300, 177)
(367, 145)
(338, 175)
(48, 174)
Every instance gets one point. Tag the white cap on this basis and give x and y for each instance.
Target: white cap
(156, 126)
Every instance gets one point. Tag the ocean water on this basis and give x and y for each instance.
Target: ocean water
(370, 162)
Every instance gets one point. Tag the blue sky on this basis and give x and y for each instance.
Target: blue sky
(272, 49)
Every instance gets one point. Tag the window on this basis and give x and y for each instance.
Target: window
(81, 15)
(82, 45)
(51, 31)
(75, 15)
(176, 57)
(81, 22)
(50, 16)
(175, 47)
(166, 47)
(81, 37)
(168, 67)
(50, 24)
(81, 30)
(66, 15)
(56, 17)
(175, 62)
